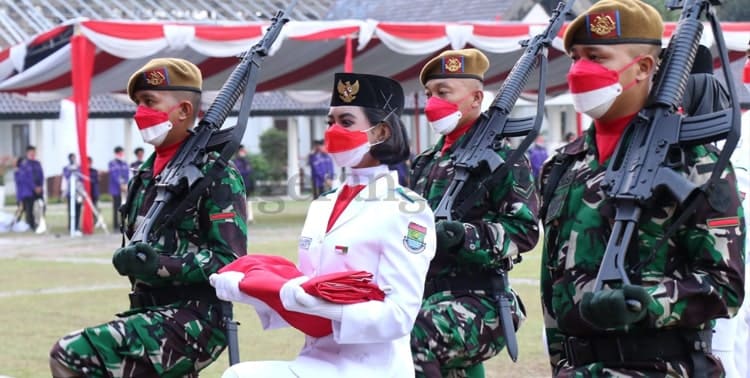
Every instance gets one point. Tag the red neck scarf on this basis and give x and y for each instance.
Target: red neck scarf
(342, 201)
(164, 155)
(453, 136)
(607, 135)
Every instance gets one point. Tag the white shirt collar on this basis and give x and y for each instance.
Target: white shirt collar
(363, 176)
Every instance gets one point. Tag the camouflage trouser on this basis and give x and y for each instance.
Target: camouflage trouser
(456, 331)
(175, 342)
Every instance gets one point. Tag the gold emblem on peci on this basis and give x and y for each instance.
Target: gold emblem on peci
(603, 25)
(155, 78)
(453, 64)
(347, 90)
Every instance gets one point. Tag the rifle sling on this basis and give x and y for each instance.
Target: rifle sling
(560, 164)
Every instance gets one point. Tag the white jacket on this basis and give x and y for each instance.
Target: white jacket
(386, 230)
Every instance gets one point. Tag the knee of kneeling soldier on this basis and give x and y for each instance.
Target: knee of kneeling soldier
(60, 370)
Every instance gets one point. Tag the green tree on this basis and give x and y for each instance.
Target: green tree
(273, 146)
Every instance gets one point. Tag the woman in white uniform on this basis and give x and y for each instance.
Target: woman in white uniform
(370, 223)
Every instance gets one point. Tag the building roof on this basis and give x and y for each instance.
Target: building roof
(424, 10)
(21, 20)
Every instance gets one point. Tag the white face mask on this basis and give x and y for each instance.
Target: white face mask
(154, 125)
(595, 104)
(350, 158)
(155, 135)
(347, 148)
(442, 115)
(594, 88)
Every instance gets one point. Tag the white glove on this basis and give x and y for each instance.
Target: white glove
(227, 287)
(294, 298)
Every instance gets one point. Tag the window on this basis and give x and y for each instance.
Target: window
(20, 138)
(281, 123)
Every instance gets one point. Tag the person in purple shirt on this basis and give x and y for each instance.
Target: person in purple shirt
(23, 188)
(246, 169)
(138, 152)
(31, 174)
(321, 169)
(537, 155)
(119, 173)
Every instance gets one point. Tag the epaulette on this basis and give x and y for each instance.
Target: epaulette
(405, 195)
(332, 190)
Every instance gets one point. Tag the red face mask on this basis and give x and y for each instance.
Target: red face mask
(443, 115)
(594, 87)
(153, 124)
(347, 148)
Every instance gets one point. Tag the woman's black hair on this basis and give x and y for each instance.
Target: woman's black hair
(395, 149)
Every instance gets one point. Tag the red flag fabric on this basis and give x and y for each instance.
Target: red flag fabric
(344, 287)
(266, 274)
(264, 277)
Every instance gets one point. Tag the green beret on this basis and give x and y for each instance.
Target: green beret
(461, 64)
(610, 22)
(166, 74)
(367, 91)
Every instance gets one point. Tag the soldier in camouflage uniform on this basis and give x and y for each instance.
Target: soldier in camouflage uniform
(458, 325)
(173, 327)
(693, 278)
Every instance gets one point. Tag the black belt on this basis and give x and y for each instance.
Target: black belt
(143, 296)
(618, 348)
(457, 284)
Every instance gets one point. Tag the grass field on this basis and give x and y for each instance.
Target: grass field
(51, 285)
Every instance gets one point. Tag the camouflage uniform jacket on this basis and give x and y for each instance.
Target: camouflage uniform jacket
(208, 236)
(503, 224)
(696, 277)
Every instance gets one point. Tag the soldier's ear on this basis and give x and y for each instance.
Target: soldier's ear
(646, 67)
(186, 109)
(478, 98)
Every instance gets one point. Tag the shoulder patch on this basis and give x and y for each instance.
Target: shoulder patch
(414, 238)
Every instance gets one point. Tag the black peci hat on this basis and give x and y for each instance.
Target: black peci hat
(367, 91)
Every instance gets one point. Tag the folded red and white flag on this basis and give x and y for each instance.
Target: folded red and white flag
(266, 274)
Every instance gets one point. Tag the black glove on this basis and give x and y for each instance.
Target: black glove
(136, 260)
(450, 236)
(606, 309)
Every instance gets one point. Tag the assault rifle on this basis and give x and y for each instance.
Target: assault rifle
(182, 181)
(476, 160)
(651, 148)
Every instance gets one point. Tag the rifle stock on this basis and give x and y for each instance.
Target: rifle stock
(652, 146)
